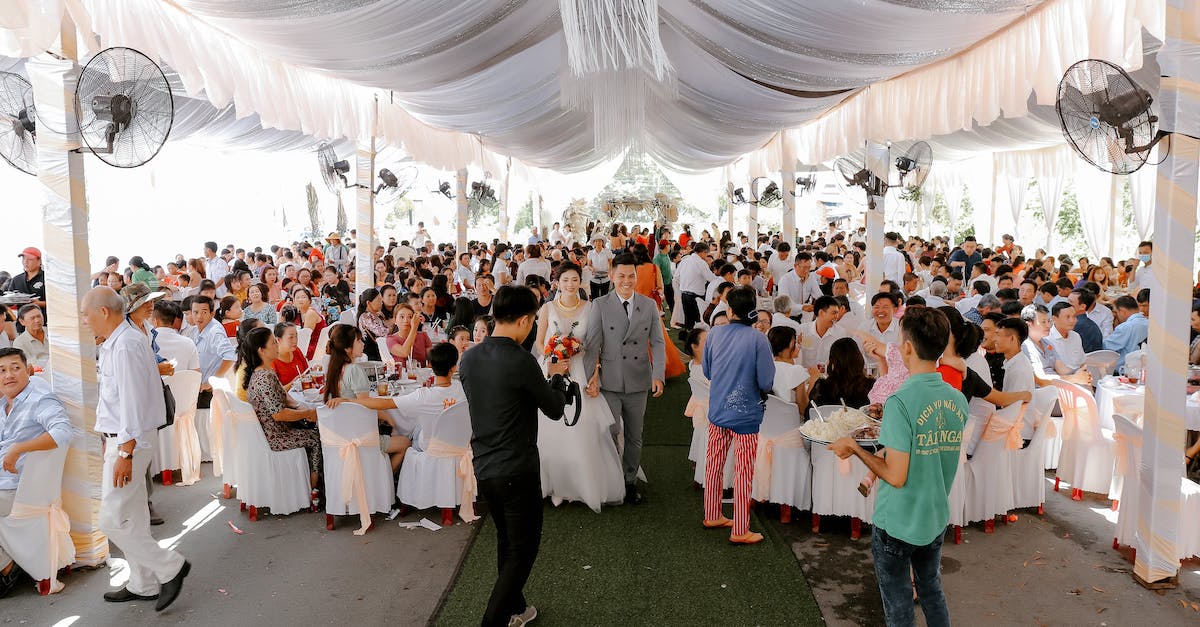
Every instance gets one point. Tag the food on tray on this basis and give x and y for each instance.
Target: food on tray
(840, 423)
(874, 411)
(866, 432)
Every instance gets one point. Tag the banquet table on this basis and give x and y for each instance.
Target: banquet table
(1115, 397)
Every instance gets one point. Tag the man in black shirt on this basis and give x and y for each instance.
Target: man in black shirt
(31, 281)
(505, 389)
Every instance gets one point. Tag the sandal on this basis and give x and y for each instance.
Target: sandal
(720, 523)
(749, 537)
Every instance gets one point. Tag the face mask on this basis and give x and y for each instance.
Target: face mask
(1144, 258)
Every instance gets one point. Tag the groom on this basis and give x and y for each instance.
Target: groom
(625, 342)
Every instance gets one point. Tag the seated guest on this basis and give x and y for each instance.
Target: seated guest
(310, 318)
(245, 327)
(1067, 343)
(846, 381)
(290, 364)
(1132, 330)
(168, 319)
(1011, 337)
(348, 382)
(762, 320)
(370, 322)
(792, 382)
(408, 342)
(1043, 355)
(818, 336)
(1089, 332)
(33, 341)
(31, 419)
(783, 305)
(460, 337)
(283, 421)
(259, 305)
(229, 314)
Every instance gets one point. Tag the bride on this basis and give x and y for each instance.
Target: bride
(579, 463)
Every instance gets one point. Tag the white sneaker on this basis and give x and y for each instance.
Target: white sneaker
(524, 618)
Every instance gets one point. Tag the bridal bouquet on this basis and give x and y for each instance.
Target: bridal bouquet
(563, 347)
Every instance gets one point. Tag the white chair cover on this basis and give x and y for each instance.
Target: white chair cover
(303, 339)
(1028, 464)
(221, 431)
(347, 317)
(319, 349)
(278, 480)
(1086, 460)
(1127, 449)
(697, 410)
(358, 476)
(439, 477)
(179, 444)
(699, 446)
(835, 481)
(958, 491)
(37, 534)
(782, 469)
(1053, 444)
(989, 489)
(1189, 513)
(385, 354)
(1100, 363)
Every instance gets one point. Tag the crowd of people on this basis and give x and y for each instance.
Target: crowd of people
(756, 315)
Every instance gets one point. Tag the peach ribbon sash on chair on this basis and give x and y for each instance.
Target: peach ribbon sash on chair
(697, 410)
(466, 472)
(353, 485)
(59, 537)
(219, 414)
(189, 448)
(764, 459)
(998, 428)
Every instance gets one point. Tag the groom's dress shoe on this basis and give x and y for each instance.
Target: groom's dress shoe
(632, 497)
(124, 595)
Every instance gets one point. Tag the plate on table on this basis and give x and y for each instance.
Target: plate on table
(311, 395)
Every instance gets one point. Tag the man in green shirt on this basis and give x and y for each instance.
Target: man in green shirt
(921, 434)
(663, 261)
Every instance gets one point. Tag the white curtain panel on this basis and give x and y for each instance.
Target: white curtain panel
(1094, 194)
(1050, 191)
(1017, 186)
(1142, 188)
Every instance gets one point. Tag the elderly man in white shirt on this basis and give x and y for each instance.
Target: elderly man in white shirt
(783, 303)
(1067, 342)
(694, 276)
(129, 412)
(882, 327)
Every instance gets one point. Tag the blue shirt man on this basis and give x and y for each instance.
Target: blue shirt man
(1131, 332)
(28, 410)
(738, 363)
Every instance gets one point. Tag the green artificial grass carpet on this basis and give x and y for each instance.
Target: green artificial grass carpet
(651, 564)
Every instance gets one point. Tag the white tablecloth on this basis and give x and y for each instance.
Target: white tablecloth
(1113, 396)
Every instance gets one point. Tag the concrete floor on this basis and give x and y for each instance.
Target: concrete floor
(284, 570)
(1056, 569)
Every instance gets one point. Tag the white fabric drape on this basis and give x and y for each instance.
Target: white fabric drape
(1095, 194)
(1141, 188)
(1017, 186)
(1050, 191)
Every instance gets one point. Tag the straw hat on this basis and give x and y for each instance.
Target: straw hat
(333, 237)
(138, 294)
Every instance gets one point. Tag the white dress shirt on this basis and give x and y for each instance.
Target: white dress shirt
(1069, 348)
(130, 390)
(1103, 317)
(601, 261)
(172, 345)
(799, 291)
(781, 320)
(214, 348)
(694, 274)
(1018, 377)
(215, 269)
(780, 267)
(529, 267)
(814, 348)
(893, 265)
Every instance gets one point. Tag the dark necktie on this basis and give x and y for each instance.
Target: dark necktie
(625, 304)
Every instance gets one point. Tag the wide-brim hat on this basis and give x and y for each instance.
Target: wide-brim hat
(138, 294)
(333, 237)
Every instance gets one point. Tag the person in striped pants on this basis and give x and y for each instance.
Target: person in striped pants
(741, 370)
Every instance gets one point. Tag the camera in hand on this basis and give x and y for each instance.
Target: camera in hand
(571, 394)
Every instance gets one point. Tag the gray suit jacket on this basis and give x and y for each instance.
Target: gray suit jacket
(631, 350)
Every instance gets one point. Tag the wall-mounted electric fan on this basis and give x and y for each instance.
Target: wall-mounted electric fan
(125, 108)
(1106, 116)
(767, 195)
(18, 123)
(913, 168)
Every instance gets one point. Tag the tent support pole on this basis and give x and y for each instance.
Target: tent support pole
(364, 215)
(66, 260)
(460, 200)
(1157, 560)
(788, 175)
(504, 201)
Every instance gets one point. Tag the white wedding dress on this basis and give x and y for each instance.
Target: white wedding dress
(579, 463)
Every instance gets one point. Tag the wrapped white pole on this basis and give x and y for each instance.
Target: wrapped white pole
(788, 175)
(364, 222)
(460, 200)
(1157, 561)
(66, 262)
(504, 202)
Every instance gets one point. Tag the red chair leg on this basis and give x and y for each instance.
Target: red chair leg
(1133, 555)
(958, 534)
(1076, 494)
(1042, 509)
(329, 522)
(816, 523)
(989, 526)
(1115, 504)
(43, 587)
(1116, 545)
(785, 514)
(403, 510)
(242, 506)
(447, 516)
(1056, 480)
(253, 513)
(855, 528)
(168, 477)
(226, 491)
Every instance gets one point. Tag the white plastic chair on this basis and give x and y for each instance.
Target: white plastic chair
(1086, 460)
(1100, 363)
(432, 478)
(352, 423)
(322, 342)
(277, 480)
(37, 534)
(303, 339)
(790, 470)
(347, 317)
(179, 444)
(220, 433)
(835, 484)
(1029, 474)
(385, 353)
(1127, 446)
(989, 490)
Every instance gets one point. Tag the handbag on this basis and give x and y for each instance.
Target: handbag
(169, 401)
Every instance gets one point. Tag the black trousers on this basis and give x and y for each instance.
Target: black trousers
(691, 309)
(669, 295)
(599, 289)
(516, 506)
